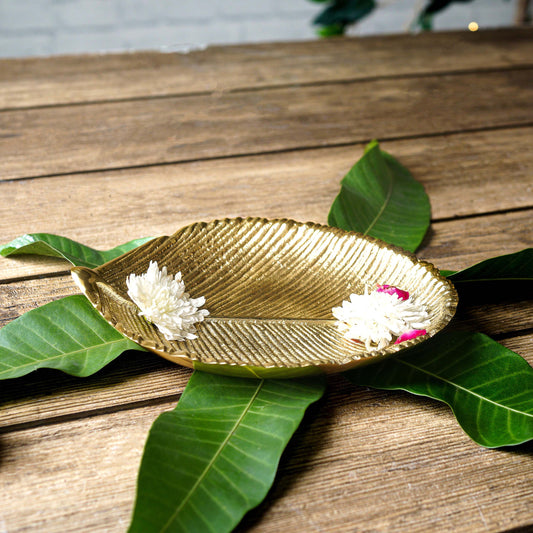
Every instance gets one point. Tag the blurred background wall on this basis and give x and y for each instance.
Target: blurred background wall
(48, 27)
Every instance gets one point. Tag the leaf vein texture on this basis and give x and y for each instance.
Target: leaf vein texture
(236, 487)
(217, 501)
(493, 397)
(463, 389)
(241, 458)
(75, 352)
(215, 456)
(67, 334)
(258, 430)
(245, 454)
(36, 335)
(384, 205)
(200, 515)
(57, 347)
(82, 321)
(495, 380)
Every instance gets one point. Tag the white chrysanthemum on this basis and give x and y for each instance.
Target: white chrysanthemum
(163, 301)
(377, 317)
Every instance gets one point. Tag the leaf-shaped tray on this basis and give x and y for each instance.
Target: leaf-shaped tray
(270, 286)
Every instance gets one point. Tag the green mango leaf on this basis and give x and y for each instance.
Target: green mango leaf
(57, 246)
(215, 455)
(488, 387)
(447, 273)
(67, 334)
(379, 197)
(510, 267)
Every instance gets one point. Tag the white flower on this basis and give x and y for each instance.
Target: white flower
(376, 317)
(163, 301)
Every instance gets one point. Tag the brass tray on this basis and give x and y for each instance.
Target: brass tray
(270, 286)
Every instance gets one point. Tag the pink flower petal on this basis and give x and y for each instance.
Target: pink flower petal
(412, 334)
(389, 289)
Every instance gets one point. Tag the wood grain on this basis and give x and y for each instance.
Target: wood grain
(134, 380)
(264, 130)
(348, 459)
(126, 134)
(463, 174)
(368, 472)
(477, 239)
(479, 165)
(75, 79)
(451, 245)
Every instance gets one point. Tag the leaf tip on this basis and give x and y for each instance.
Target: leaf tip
(371, 145)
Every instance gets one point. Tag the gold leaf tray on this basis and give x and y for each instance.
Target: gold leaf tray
(269, 287)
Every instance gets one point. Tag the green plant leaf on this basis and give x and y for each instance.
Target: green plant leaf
(57, 246)
(215, 455)
(488, 387)
(345, 12)
(425, 21)
(425, 17)
(510, 267)
(331, 30)
(67, 334)
(379, 197)
(434, 6)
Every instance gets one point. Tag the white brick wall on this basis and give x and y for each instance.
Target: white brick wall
(46, 27)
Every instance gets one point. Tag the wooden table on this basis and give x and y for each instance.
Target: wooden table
(104, 149)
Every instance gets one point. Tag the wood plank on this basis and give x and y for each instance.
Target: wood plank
(457, 244)
(521, 344)
(480, 164)
(156, 201)
(132, 381)
(49, 141)
(382, 460)
(452, 245)
(499, 317)
(366, 476)
(138, 378)
(71, 79)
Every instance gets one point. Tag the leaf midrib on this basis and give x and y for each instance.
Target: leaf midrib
(464, 389)
(215, 457)
(64, 354)
(384, 205)
(72, 251)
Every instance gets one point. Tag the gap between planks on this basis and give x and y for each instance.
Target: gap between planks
(133, 381)
(71, 79)
(66, 272)
(384, 459)
(453, 244)
(298, 149)
(482, 165)
(237, 90)
(114, 136)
